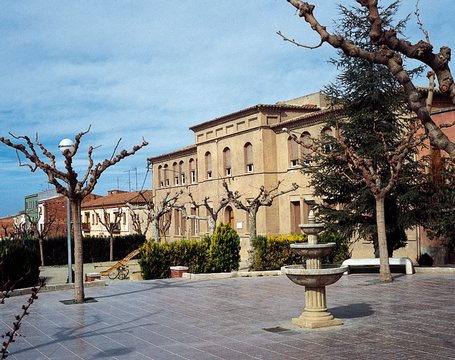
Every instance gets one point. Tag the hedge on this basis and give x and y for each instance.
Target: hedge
(19, 265)
(96, 249)
(221, 252)
(273, 252)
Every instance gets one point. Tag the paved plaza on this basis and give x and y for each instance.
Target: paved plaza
(240, 318)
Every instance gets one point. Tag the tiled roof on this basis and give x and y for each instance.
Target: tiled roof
(175, 152)
(118, 199)
(255, 107)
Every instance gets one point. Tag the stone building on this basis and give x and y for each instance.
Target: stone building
(247, 149)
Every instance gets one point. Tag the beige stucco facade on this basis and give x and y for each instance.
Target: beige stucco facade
(248, 148)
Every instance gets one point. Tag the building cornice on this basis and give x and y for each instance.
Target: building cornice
(251, 110)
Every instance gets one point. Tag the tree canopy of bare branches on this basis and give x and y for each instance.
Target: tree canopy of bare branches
(66, 182)
(264, 197)
(391, 49)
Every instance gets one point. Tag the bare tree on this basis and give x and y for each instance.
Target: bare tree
(111, 226)
(67, 183)
(369, 172)
(212, 210)
(5, 230)
(251, 206)
(390, 52)
(154, 211)
(41, 232)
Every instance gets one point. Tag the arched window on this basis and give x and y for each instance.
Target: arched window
(160, 176)
(248, 153)
(294, 152)
(175, 173)
(227, 162)
(182, 172)
(326, 137)
(306, 141)
(208, 165)
(166, 175)
(229, 216)
(193, 175)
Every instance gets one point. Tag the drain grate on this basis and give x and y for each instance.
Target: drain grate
(277, 329)
(72, 302)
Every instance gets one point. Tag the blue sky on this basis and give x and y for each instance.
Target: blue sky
(152, 69)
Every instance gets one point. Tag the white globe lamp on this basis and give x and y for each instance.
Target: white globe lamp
(67, 144)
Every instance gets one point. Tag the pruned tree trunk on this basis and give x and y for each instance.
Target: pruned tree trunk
(78, 251)
(211, 224)
(384, 269)
(156, 231)
(41, 250)
(111, 248)
(252, 228)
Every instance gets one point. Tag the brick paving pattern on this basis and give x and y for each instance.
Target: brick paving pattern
(243, 318)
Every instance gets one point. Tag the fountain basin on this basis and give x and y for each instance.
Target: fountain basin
(313, 250)
(312, 228)
(300, 275)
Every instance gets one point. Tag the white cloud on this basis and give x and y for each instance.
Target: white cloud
(151, 69)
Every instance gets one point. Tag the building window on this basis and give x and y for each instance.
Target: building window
(182, 172)
(227, 162)
(193, 177)
(175, 172)
(194, 222)
(306, 141)
(208, 165)
(326, 136)
(166, 175)
(160, 178)
(293, 152)
(248, 152)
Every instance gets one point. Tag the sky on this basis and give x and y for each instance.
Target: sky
(151, 69)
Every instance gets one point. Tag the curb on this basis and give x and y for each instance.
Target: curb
(233, 274)
(56, 287)
(435, 270)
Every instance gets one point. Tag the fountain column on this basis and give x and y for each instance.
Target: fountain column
(314, 278)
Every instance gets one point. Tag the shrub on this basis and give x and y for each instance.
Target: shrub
(224, 249)
(221, 252)
(341, 251)
(19, 263)
(274, 251)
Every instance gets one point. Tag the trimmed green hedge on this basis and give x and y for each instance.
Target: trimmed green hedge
(273, 252)
(18, 262)
(96, 249)
(219, 253)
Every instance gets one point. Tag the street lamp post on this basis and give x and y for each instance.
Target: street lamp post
(67, 144)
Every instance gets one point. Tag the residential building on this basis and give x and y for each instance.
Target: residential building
(7, 229)
(114, 211)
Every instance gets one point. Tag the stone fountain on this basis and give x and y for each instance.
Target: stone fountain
(314, 277)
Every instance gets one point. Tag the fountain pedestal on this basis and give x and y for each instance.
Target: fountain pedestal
(314, 278)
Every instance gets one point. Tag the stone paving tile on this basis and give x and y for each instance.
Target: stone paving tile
(227, 319)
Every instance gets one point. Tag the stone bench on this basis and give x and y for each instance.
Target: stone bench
(375, 262)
